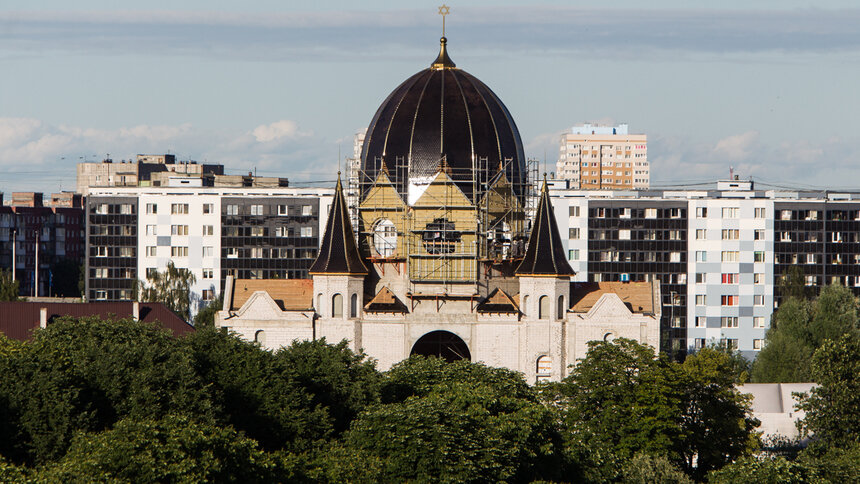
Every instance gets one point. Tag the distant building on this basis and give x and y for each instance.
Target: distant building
(137, 173)
(604, 157)
(248, 233)
(774, 404)
(57, 225)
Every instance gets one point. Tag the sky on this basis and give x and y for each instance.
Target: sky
(767, 87)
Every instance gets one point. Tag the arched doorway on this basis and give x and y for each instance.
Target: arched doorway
(443, 344)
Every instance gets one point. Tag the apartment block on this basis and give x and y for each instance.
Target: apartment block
(718, 253)
(250, 233)
(595, 157)
(138, 172)
(48, 231)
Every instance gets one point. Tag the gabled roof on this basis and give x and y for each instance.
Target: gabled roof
(385, 302)
(19, 319)
(498, 302)
(637, 296)
(338, 252)
(288, 294)
(544, 254)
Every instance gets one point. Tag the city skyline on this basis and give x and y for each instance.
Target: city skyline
(282, 90)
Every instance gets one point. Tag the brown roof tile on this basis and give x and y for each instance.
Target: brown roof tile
(638, 296)
(289, 294)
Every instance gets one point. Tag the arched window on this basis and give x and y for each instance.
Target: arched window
(525, 306)
(260, 337)
(560, 307)
(608, 337)
(385, 237)
(319, 303)
(543, 307)
(543, 368)
(353, 306)
(337, 306)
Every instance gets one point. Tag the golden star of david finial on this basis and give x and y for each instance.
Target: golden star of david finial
(443, 11)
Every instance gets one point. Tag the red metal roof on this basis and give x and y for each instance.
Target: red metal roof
(19, 319)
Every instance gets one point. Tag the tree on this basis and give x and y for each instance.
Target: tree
(172, 449)
(717, 423)
(84, 375)
(798, 328)
(792, 284)
(206, 316)
(648, 469)
(8, 287)
(833, 408)
(761, 471)
(463, 425)
(171, 287)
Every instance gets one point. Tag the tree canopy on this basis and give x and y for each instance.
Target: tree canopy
(171, 287)
(8, 287)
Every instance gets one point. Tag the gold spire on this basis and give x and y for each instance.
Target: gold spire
(442, 60)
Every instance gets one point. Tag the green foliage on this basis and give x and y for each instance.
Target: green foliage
(798, 328)
(761, 471)
(84, 375)
(832, 464)
(172, 288)
(833, 408)
(174, 449)
(792, 284)
(206, 316)
(649, 469)
(462, 424)
(8, 287)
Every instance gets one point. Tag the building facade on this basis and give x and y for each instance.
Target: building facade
(137, 173)
(597, 157)
(48, 234)
(249, 233)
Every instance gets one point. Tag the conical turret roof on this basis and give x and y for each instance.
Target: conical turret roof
(544, 255)
(338, 253)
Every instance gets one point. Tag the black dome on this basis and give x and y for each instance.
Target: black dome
(443, 112)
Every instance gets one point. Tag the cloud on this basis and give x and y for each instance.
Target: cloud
(277, 130)
(554, 31)
(737, 147)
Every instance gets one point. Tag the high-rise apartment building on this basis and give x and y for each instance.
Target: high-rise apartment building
(604, 157)
(249, 233)
(47, 234)
(718, 253)
(140, 172)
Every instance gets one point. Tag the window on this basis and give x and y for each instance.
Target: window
(650, 213)
(232, 210)
(758, 322)
(208, 273)
(701, 212)
(283, 232)
(353, 306)
(307, 210)
(257, 210)
(100, 272)
(573, 254)
(624, 234)
(760, 212)
(208, 230)
(729, 300)
(699, 343)
(701, 300)
(207, 208)
(757, 344)
(179, 208)
(126, 209)
(701, 234)
(543, 368)
(101, 295)
(151, 208)
(151, 230)
(730, 256)
(543, 307)
(729, 343)
(730, 212)
(208, 294)
(701, 278)
(260, 337)
(257, 252)
(524, 307)
(625, 213)
(785, 215)
(337, 306)
(758, 300)
(151, 250)
(573, 211)
(758, 256)
(730, 234)
(730, 278)
(701, 256)
(676, 322)
(701, 322)
(258, 231)
(126, 251)
(674, 257)
(573, 233)
(758, 234)
(283, 209)
(151, 272)
(232, 253)
(729, 322)
(179, 230)
(179, 251)
(560, 308)
(207, 251)
(307, 232)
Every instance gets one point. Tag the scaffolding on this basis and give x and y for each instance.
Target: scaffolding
(445, 236)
